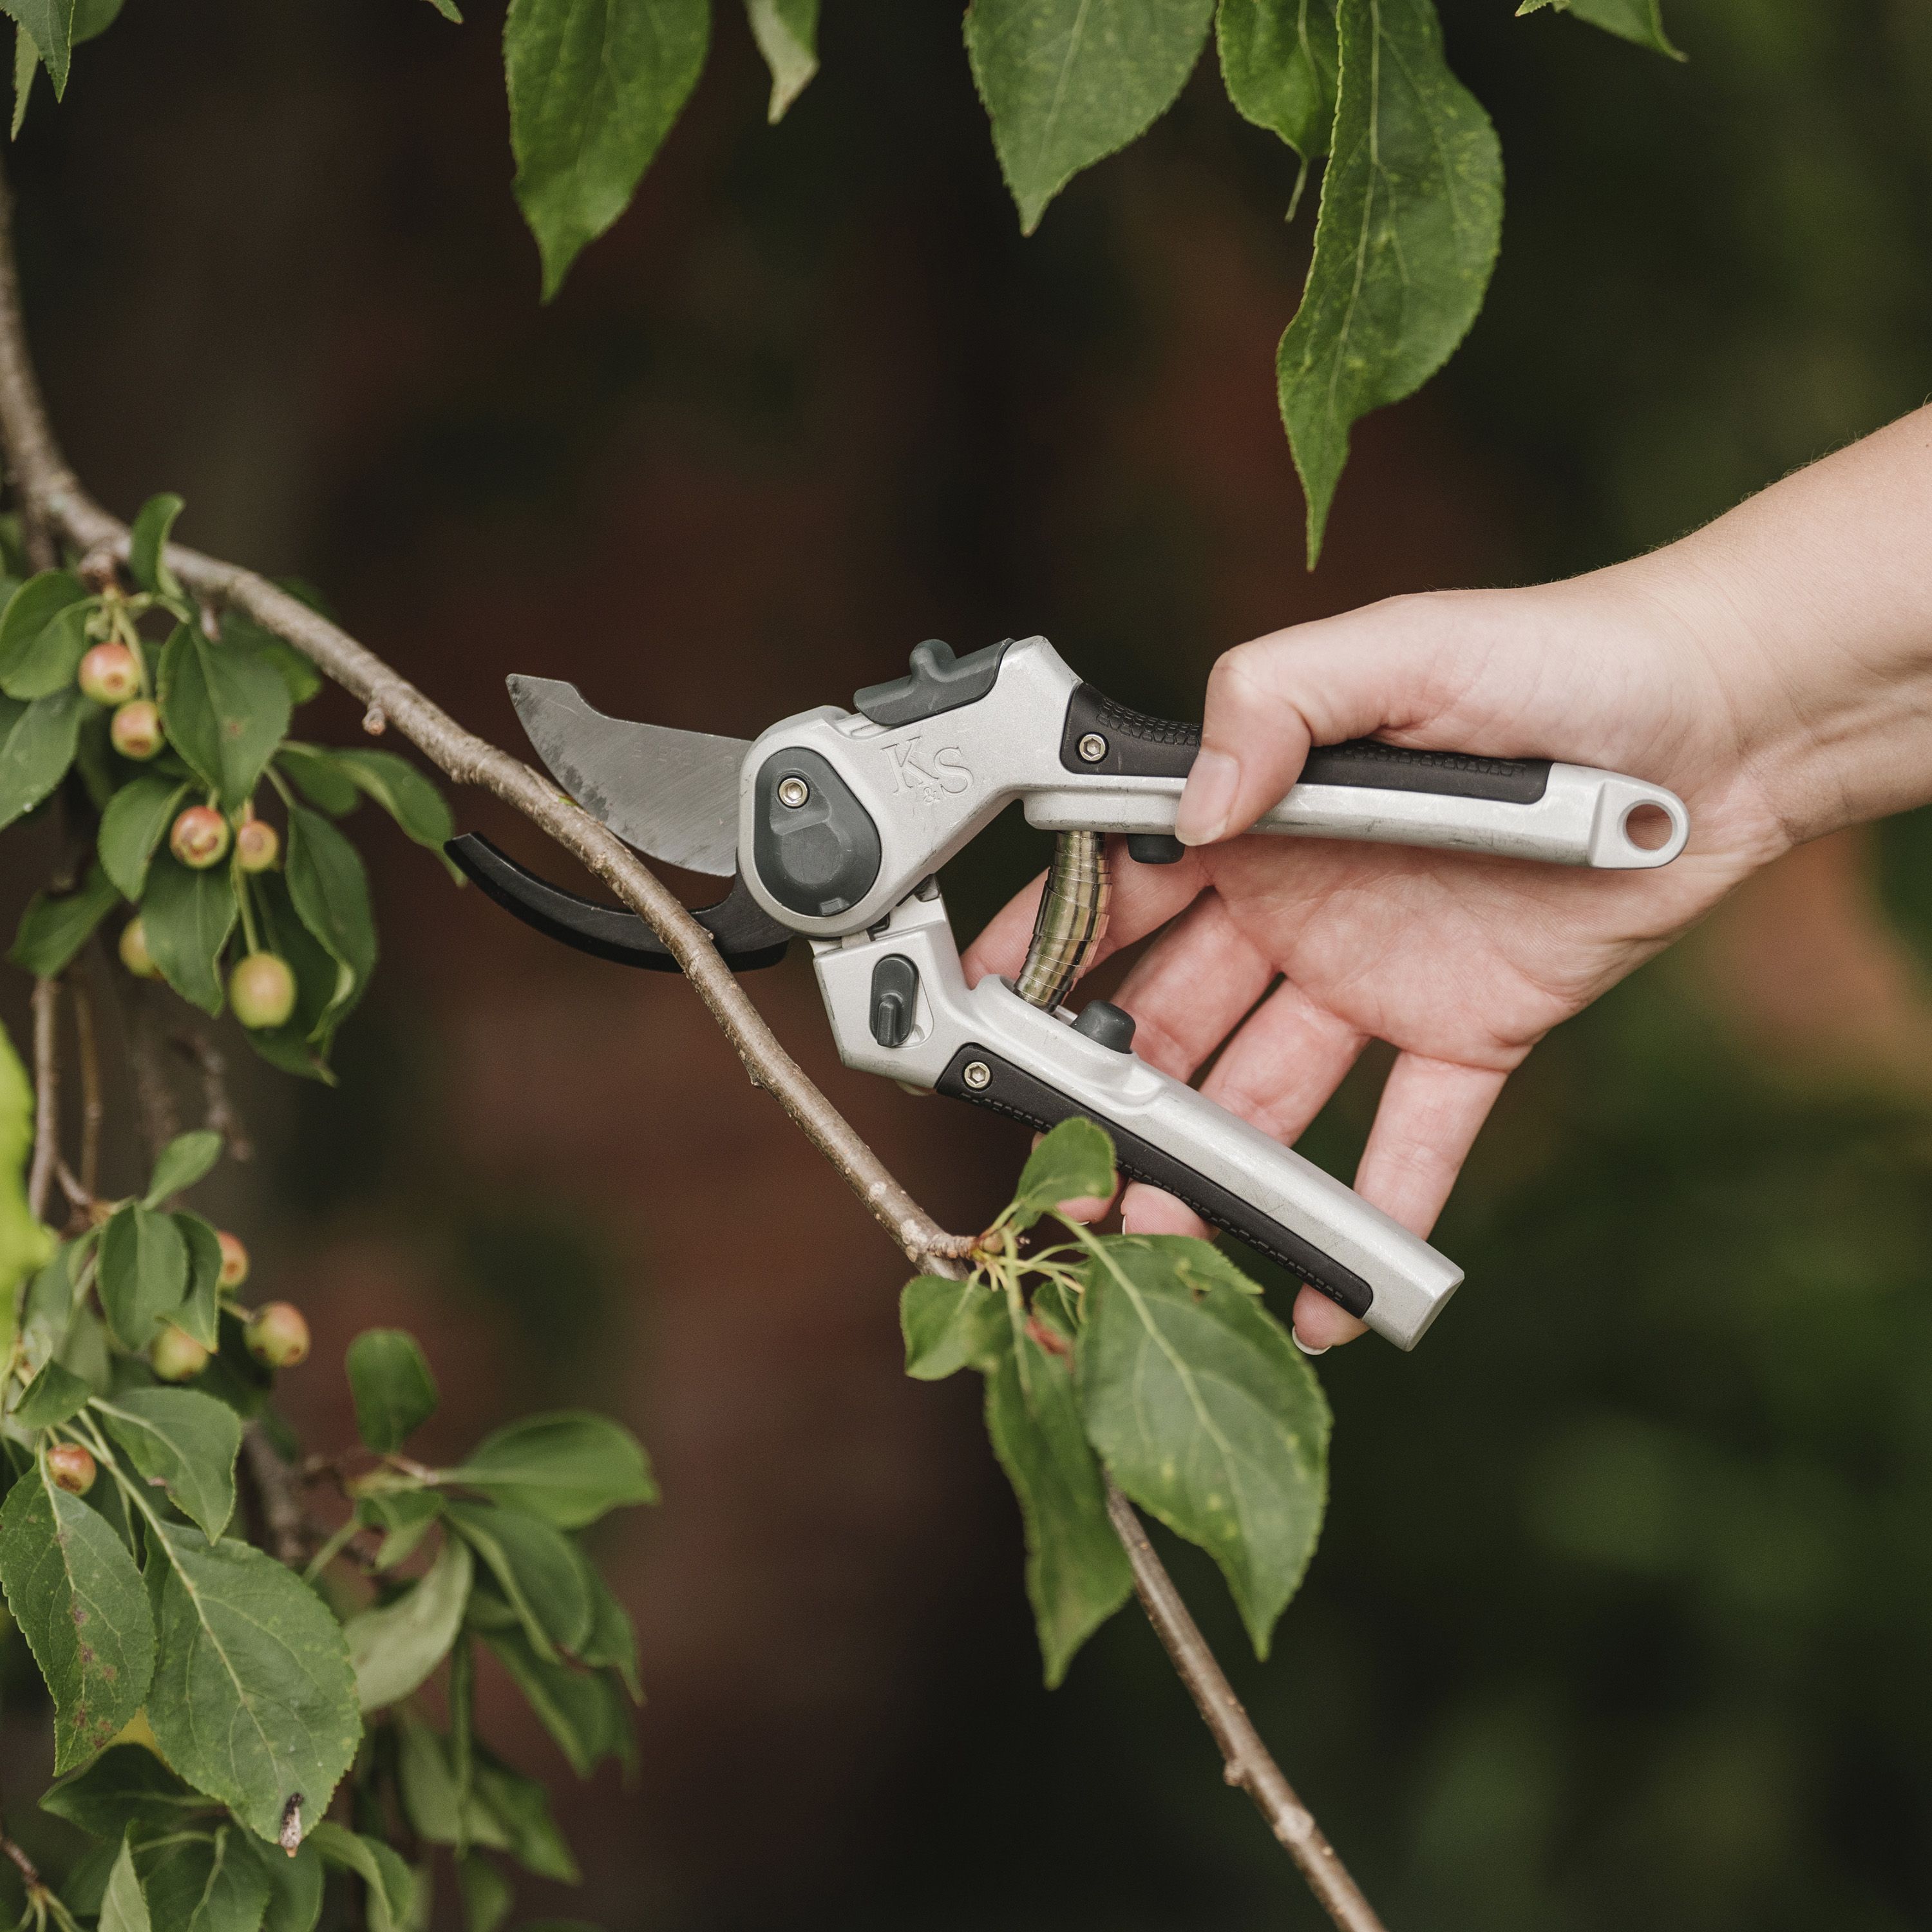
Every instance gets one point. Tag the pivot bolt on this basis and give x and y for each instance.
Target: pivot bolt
(793, 792)
(1093, 748)
(977, 1075)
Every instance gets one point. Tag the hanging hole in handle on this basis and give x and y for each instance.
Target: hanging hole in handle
(1648, 827)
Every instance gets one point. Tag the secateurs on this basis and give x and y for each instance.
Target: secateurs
(833, 824)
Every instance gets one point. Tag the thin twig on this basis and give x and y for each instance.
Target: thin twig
(93, 1110)
(29, 1872)
(1247, 1760)
(153, 1098)
(48, 488)
(278, 1487)
(47, 1095)
(218, 1114)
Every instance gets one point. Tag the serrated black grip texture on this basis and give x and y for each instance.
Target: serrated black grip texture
(1022, 1096)
(1136, 746)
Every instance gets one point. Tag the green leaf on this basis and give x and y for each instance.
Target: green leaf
(127, 1784)
(1638, 20)
(1068, 82)
(143, 1272)
(253, 1700)
(182, 1162)
(540, 1573)
(1074, 1162)
(52, 1396)
(186, 917)
(297, 668)
(204, 1882)
(224, 708)
(91, 17)
(1207, 1413)
(403, 792)
(53, 930)
(26, 64)
(787, 32)
(1077, 1573)
(949, 1325)
(395, 1392)
(49, 23)
(391, 1884)
(123, 1906)
(1278, 59)
(523, 1806)
(583, 1712)
(1411, 214)
(568, 1468)
(25, 1244)
(147, 545)
(594, 86)
(184, 1443)
(319, 778)
(404, 1516)
(136, 820)
(430, 1796)
(296, 1904)
(43, 633)
(488, 1895)
(394, 1648)
(330, 891)
(87, 1883)
(200, 1311)
(447, 8)
(37, 744)
(47, 1308)
(612, 1644)
(78, 1599)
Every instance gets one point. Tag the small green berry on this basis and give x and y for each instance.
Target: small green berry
(262, 989)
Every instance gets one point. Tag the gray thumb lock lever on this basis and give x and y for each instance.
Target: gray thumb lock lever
(833, 824)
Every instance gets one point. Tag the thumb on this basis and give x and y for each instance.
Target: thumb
(1269, 702)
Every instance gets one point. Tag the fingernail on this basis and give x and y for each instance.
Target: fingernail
(1306, 1350)
(1207, 798)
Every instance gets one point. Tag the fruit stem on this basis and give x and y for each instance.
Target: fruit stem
(240, 879)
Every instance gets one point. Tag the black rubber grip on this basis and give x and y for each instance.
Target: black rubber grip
(1131, 745)
(1021, 1095)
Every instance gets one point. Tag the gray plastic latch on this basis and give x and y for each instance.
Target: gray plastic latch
(895, 999)
(938, 682)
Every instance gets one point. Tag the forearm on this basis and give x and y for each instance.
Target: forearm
(1813, 603)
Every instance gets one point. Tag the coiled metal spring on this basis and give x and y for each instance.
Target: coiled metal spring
(1072, 920)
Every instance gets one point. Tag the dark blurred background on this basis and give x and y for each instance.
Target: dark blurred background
(1623, 1612)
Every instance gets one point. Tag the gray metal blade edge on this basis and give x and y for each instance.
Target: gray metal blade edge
(672, 794)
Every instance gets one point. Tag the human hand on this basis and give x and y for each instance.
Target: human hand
(1462, 963)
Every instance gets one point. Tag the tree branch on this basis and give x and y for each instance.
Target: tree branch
(278, 1487)
(219, 1115)
(51, 493)
(29, 1873)
(1246, 1759)
(46, 1096)
(93, 1110)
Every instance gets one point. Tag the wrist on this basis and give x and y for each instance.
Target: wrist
(1813, 636)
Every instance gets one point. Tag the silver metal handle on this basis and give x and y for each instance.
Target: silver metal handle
(989, 1046)
(1585, 816)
